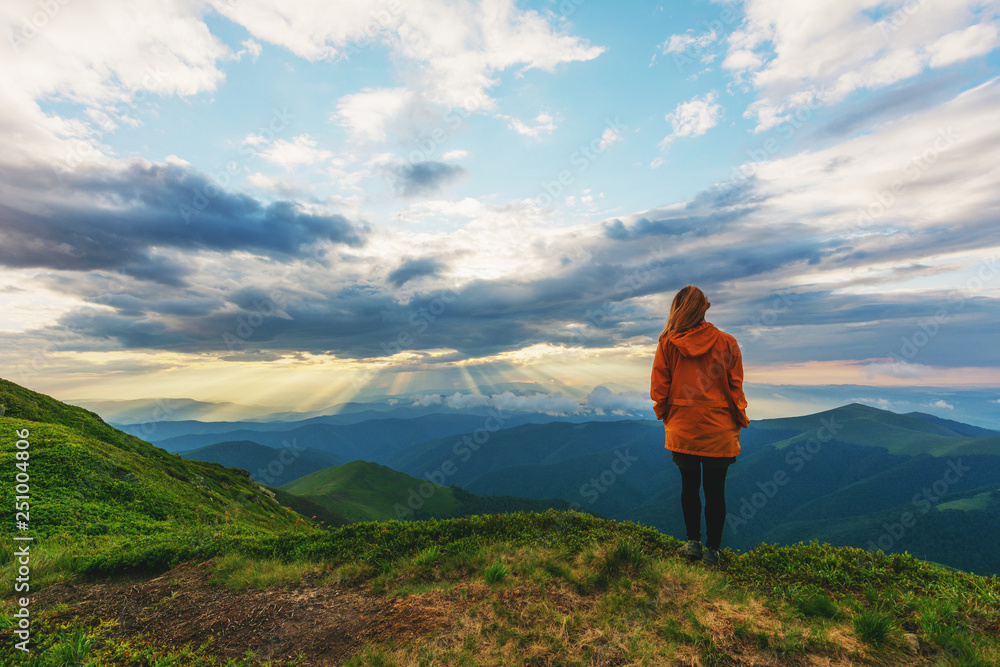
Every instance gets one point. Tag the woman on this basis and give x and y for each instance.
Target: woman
(697, 390)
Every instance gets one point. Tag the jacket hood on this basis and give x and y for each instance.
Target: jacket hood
(695, 341)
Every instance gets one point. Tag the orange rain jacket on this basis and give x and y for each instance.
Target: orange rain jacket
(697, 379)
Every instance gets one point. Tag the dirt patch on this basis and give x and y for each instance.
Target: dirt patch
(327, 623)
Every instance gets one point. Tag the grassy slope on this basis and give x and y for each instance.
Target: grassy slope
(89, 478)
(308, 508)
(898, 434)
(956, 426)
(266, 464)
(93, 487)
(979, 501)
(363, 491)
(566, 588)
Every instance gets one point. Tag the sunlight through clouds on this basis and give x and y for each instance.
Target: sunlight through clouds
(314, 203)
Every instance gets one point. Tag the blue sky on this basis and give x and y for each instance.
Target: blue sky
(295, 205)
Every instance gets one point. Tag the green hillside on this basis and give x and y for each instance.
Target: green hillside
(266, 465)
(898, 434)
(93, 489)
(364, 491)
(87, 478)
(307, 508)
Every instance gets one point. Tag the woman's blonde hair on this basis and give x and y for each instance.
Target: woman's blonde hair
(686, 311)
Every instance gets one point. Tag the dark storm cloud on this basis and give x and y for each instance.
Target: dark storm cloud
(485, 317)
(137, 332)
(589, 304)
(590, 295)
(423, 177)
(157, 269)
(581, 303)
(114, 220)
(188, 306)
(415, 268)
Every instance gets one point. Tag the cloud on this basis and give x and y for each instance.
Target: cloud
(543, 123)
(412, 269)
(883, 403)
(450, 50)
(944, 405)
(427, 400)
(125, 218)
(611, 136)
(370, 113)
(282, 186)
(520, 281)
(604, 401)
(555, 404)
(302, 150)
(795, 61)
(900, 370)
(683, 42)
(250, 48)
(708, 213)
(455, 154)
(418, 178)
(693, 118)
(93, 55)
(600, 401)
(460, 401)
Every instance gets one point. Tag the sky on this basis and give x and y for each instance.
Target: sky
(292, 205)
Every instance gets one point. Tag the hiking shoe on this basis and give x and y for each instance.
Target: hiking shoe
(691, 550)
(710, 557)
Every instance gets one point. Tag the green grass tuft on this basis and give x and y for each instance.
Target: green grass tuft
(872, 626)
(816, 604)
(496, 572)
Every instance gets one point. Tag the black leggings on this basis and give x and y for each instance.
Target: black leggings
(715, 499)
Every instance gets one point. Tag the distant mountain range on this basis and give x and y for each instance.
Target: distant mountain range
(855, 475)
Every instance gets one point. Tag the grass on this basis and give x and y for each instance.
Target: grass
(977, 502)
(816, 604)
(496, 572)
(66, 645)
(239, 572)
(650, 608)
(566, 588)
(873, 627)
